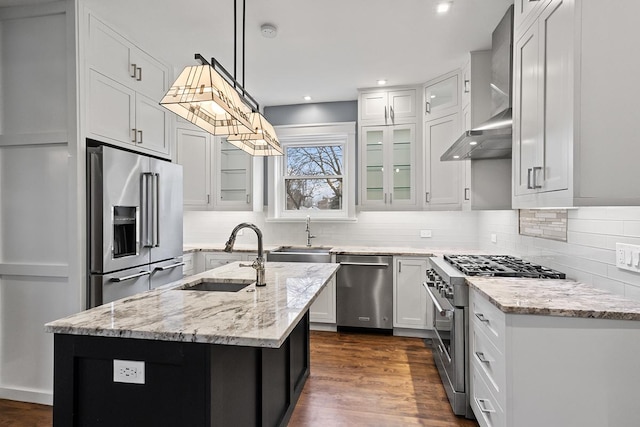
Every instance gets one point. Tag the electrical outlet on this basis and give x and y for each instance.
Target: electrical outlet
(425, 233)
(628, 257)
(128, 371)
(494, 238)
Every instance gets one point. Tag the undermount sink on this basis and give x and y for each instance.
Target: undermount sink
(212, 286)
(300, 254)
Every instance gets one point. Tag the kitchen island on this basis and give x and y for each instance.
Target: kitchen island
(205, 358)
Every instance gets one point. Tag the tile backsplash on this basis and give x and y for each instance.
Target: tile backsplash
(544, 223)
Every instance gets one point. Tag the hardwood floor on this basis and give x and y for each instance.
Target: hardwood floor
(356, 380)
(372, 380)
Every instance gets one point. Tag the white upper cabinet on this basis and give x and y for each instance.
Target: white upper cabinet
(442, 96)
(387, 107)
(217, 175)
(125, 85)
(443, 180)
(525, 11)
(575, 127)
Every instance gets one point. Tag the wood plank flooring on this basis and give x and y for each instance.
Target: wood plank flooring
(356, 380)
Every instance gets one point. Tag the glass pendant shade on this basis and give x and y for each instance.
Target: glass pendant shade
(260, 141)
(204, 98)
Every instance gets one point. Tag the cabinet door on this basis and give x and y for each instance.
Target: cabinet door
(152, 125)
(441, 97)
(193, 154)
(442, 179)
(111, 110)
(402, 104)
(217, 259)
(402, 168)
(151, 78)
(556, 31)
(527, 100)
(233, 177)
(466, 85)
(323, 309)
(373, 179)
(410, 297)
(109, 52)
(374, 106)
(525, 11)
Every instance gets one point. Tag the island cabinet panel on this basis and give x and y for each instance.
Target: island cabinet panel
(190, 384)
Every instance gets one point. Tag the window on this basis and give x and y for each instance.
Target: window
(315, 175)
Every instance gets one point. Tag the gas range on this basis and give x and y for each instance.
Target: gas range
(448, 293)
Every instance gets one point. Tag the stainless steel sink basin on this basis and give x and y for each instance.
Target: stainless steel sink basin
(300, 254)
(213, 286)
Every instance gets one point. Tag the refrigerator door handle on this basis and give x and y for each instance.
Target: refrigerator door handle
(156, 210)
(169, 267)
(147, 209)
(129, 277)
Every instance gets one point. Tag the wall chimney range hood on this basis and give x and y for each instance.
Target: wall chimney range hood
(493, 138)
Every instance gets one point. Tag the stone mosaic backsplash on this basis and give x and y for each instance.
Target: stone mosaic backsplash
(544, 223)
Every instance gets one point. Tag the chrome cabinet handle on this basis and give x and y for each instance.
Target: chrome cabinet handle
(466, 86)
(133, 71)
(481, 317)
(134, 133)
(169, 267)
(132, 276)
(427, 108)
(482, 404)
(466, 193)
(427, 197)
(208, 198)
(399, 266)
(534, 169)
(139, 74)
(385, 198)
(248, 198)
(481, 357)
(140, 135)
(529, 187)
(390, 198)
(436, 304)
(391, 114)
(385, 113)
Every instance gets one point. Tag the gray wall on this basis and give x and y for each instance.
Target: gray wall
(299, 114)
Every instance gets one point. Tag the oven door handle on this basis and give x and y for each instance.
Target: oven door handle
(439, 308)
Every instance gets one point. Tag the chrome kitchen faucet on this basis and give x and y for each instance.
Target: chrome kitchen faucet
(258, 264)
(308, 231)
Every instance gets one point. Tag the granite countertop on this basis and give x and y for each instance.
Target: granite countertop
(355, 250)
(553, 297)
(254, 316)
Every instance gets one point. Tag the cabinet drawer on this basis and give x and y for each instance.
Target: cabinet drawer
(485, 406)
(214, 260)
(488, 318)
(189, 267)
(489, 362)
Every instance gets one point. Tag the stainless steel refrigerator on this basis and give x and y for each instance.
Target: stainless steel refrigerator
(134, 219)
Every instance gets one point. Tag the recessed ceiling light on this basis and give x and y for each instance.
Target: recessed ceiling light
(432, 96)
(473, 143)
(382, 82)
(307, 98)
(456, 157)
(443, 7)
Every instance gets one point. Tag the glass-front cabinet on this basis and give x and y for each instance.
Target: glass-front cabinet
(233, 188)
(387, 155)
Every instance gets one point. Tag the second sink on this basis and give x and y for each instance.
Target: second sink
(212, 286)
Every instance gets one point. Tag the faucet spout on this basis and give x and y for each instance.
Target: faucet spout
(308, 231)
(258, 264)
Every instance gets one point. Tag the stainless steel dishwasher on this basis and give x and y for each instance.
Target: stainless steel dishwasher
(364, 296)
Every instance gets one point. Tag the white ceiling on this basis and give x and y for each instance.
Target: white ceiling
(324, 48)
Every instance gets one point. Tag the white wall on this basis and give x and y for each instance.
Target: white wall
(455, 230)
(587, 256)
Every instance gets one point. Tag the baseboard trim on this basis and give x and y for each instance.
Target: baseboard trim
(31, 396)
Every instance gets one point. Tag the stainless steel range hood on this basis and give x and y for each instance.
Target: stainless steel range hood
(493, 138)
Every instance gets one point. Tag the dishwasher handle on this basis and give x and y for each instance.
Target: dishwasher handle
(442, 311)
(365, 264)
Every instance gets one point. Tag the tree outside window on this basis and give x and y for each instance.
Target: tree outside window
(313, 177)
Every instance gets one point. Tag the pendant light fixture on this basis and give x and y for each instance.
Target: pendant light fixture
(218, 104)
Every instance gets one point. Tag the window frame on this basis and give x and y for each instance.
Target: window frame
(313, 135)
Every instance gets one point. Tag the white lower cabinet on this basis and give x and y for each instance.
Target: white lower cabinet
(323, 309)
(218, 259)
(410, 308)
(189, 267)
(537, 370)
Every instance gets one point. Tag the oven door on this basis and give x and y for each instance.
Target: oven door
(448, 348)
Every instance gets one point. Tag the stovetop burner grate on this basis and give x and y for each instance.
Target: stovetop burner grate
(500, 266)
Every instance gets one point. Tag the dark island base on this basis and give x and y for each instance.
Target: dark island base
(186, 384)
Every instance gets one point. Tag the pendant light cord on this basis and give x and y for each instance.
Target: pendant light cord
(235, 42)
(244, 14)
